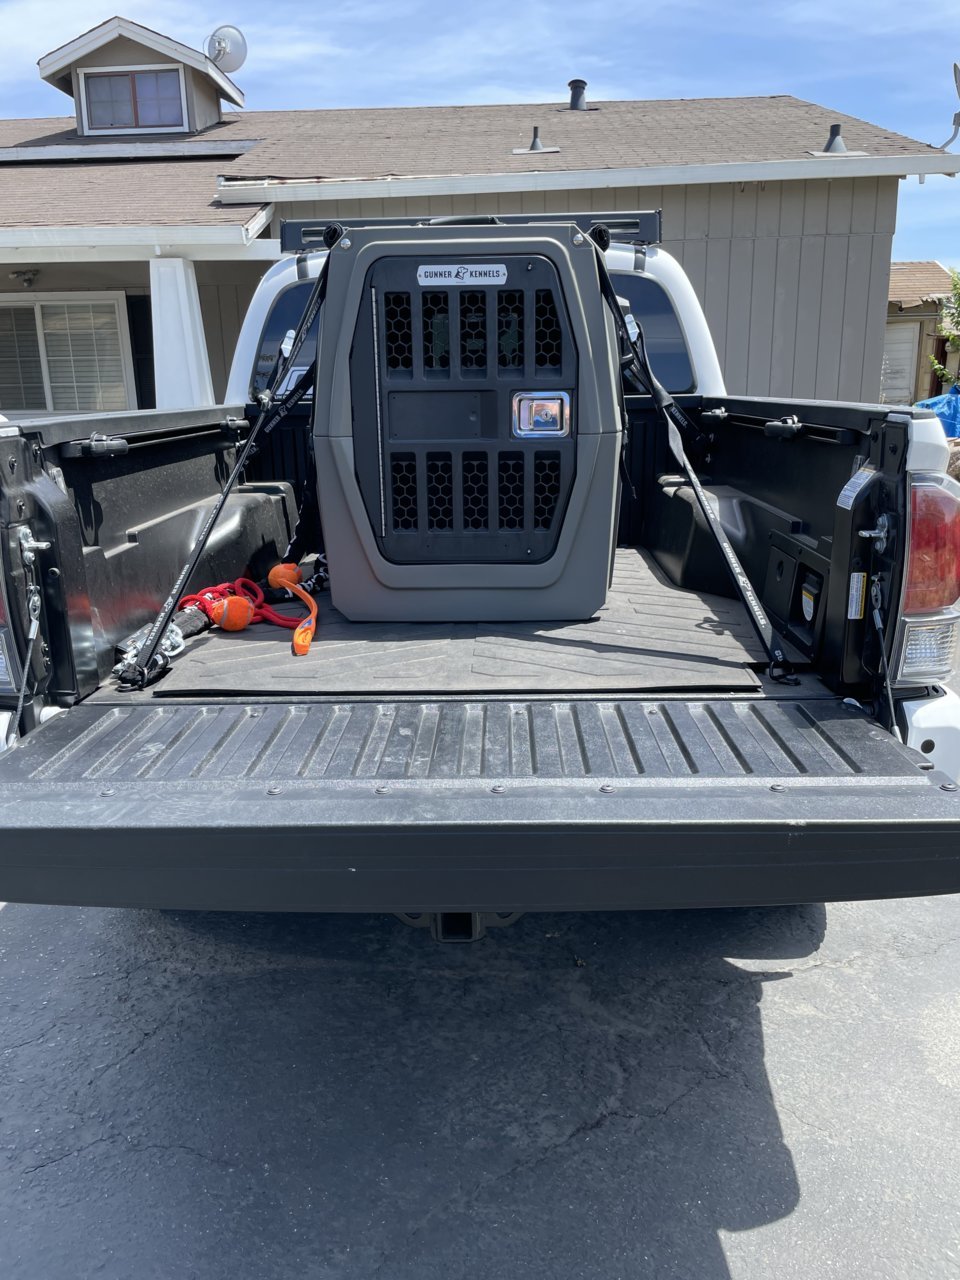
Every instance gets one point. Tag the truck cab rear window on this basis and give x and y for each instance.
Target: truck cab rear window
(651, 308)
(285, 315)
(654, 312)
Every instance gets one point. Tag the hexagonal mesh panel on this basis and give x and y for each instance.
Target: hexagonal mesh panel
(511, 490)
(546, 488)
(439, 491)
(510, 328)
(436, 331)
(549, 341)
(476, 490)
(399, 330)
(473, 331)
(403, 482)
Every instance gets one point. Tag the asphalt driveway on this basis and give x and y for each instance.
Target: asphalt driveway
(699, 1095)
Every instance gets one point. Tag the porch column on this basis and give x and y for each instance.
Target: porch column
(180, 362)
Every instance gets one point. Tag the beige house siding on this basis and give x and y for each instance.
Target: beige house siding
(225, 290)
(203, 104)
(117, 53)
(61, 277)
(792, 276)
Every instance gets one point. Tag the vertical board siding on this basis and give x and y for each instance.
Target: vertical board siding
(740, 292)
(214, 329)
(807, 337)
(223, 306)
(716, 291)
(786, 301)
(762, 311)
(835, 254)
(792, 276)
(853, 332)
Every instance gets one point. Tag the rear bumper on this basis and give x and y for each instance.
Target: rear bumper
(193, 807)
(432, 848)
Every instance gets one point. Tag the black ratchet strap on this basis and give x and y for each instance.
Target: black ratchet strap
(150, 662)
(636, 365)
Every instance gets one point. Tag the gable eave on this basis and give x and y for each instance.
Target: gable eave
(57, 62)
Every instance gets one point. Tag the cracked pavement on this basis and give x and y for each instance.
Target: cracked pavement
(683, 1095)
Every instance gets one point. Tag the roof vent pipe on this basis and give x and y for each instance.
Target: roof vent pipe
(835, 144)
(536, 147)
(578, 95)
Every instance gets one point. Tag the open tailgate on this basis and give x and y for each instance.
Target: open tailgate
(471, 805)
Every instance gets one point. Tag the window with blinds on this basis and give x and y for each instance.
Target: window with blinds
(21, 373)
(63, 356)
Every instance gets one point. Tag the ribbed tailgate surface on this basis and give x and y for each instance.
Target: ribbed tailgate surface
(173, 744)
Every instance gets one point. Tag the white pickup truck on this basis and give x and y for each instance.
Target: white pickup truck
(535, 684)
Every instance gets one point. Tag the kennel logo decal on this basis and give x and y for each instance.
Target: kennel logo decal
(478, 273)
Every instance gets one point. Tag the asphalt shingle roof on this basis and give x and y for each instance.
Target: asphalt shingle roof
(914, 282)
(460, 140)
(408, 141)
(116, 194)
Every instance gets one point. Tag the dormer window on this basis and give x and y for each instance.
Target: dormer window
(148, 98)
(127, 79)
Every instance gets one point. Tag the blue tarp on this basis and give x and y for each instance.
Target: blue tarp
(947, 409)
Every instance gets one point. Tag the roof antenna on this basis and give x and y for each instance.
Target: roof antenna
(536, 147)
(835, 144)
(578, 95)
(956, 118)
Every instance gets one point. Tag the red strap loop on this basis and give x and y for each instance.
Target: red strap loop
(262, 612)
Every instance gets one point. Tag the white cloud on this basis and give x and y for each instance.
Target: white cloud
(31, 28)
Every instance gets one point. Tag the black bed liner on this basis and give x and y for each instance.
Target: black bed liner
(471, 805)
(650, 635)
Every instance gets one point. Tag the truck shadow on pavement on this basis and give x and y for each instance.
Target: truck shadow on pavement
(321, 1096)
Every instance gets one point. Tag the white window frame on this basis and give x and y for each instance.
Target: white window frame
(84, 72)
(33, 302)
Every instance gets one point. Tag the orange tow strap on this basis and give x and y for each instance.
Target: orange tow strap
(290, 577)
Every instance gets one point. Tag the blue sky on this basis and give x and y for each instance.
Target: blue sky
(880, 59)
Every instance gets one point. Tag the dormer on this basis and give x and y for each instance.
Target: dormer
(127, 80)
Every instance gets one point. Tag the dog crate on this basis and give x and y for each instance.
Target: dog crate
(467, 426)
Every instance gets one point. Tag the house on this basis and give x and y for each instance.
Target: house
(914, 302)
(133, 231)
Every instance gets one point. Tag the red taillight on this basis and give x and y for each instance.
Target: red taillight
(933, 569)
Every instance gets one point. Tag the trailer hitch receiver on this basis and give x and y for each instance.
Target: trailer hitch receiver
(458, 926)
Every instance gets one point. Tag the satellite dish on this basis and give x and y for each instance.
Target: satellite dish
(227, 47)
(956, 119)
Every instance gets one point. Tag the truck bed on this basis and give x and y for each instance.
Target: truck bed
(651, 635)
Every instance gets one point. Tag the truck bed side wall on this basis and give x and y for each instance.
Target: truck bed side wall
(779, 497)
(121, 516)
